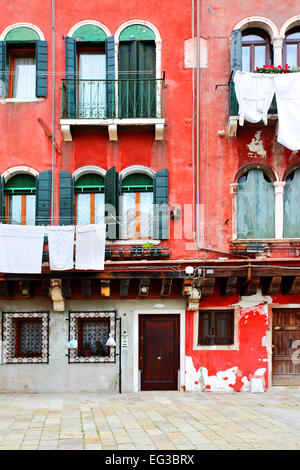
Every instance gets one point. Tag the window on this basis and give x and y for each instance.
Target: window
(137, 206)
(92, 330)
(256, 49)
(22, 73)
(137, 72)
(89, 199)
(92, 82)
(20, 204)
(291, 213)
(216, 327)
(25, 338)
(291, 49)
(255, 206)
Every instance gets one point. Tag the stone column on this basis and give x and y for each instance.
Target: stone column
(279, 191)
(277, 46)
(233, 191)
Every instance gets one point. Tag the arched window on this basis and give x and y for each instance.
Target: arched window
(291, 50)
(256, 49)
(137, 72)
(89, 199)
(24, 64)
(255, 206)
(291, 212)
(137, 206)
(20, 204)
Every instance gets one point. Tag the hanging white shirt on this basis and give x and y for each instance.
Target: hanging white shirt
(90, 247)
(21, 249)
(287, 90)
(61, 247)
(254, 92)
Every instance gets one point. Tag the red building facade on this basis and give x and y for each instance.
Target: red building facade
(127, 114)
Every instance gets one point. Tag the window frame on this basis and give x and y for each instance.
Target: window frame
(236, 329)
(19, 52)
(19, 322)
(92, 190)
(80, 327)
(19, 191)
(266, 42)
(287, 41)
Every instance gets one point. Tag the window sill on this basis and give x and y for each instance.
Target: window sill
(265, 240)
(231, 347)
(19, 100)
(130, 242)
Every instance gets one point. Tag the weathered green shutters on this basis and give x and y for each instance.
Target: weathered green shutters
(236, 64)
(70, 83)
(3, 70)
(291, 207)
(2, 200)
(137, 97)
(112, 194)
(110, 72)
(161, 205)
(43, 198)
(255, 207)
(66, 198)
(41, 68)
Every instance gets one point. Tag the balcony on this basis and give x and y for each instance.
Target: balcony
(234, 110)
(113, 103)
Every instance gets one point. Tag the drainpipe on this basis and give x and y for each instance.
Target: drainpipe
(53, 116)
(198, 125)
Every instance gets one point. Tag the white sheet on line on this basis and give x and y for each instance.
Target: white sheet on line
(90, 247)
(254, 92)
(21, 249)
(287, 90)
(61, 247)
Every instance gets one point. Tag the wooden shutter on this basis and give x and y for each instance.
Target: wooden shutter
(41, 69)
(112, 194)
(43, 198)
(66, 198)
(128, 68)
(70, 87)
(255, 207)
(236, 64)
(291, 224)
(146, 85)
(161, 205)
(110, 71)
(3, 70)
(2, 201)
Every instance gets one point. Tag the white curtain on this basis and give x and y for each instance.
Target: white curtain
(129, 212)
(92, 88)
(24, 77)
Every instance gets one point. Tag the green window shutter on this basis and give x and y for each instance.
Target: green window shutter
(70, 87)
(66, 198)
(161, 205)
(146, 91)
(255, 207)
(110, 70)
(2, 201)
(41, 69)
(112, 194)
(291, 210)
(128, 75)
(43, 198)
(3, 70)
(236, 64)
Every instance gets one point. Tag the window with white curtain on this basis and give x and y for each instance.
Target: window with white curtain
(24, 78)
(92, 85)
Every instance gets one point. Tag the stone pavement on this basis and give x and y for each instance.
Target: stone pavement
(151, 420)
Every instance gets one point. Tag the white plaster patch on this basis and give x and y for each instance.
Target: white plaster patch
(255, 300)
(190, 53)
(256, 147)
(201, 381)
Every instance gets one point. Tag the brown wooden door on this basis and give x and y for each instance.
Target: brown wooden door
(159, 346)
(286, 334)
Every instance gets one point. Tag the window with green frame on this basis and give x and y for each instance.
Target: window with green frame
(89, 199)
(20, 200)
(137, 206)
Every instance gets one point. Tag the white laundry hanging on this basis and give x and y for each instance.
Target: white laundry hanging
(90, 247)
(21, 249)
(61, 247)
(254, 92)
(287, 90)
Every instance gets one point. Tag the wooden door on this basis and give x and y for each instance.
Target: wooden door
(159, 356)
(286, 344)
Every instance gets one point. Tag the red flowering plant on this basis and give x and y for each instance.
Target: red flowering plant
(273, 69)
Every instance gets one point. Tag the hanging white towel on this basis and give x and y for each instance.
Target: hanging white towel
(61, 247)
(21, 249)
(90, 247)
(254, 92)
(287, 90)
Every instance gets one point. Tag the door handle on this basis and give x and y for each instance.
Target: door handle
(290, 342)
(158, 358)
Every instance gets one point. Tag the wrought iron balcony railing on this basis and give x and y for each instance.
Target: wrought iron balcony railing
(113, 99)
(234, 106)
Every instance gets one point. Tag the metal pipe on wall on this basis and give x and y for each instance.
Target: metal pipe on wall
(53, 116)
